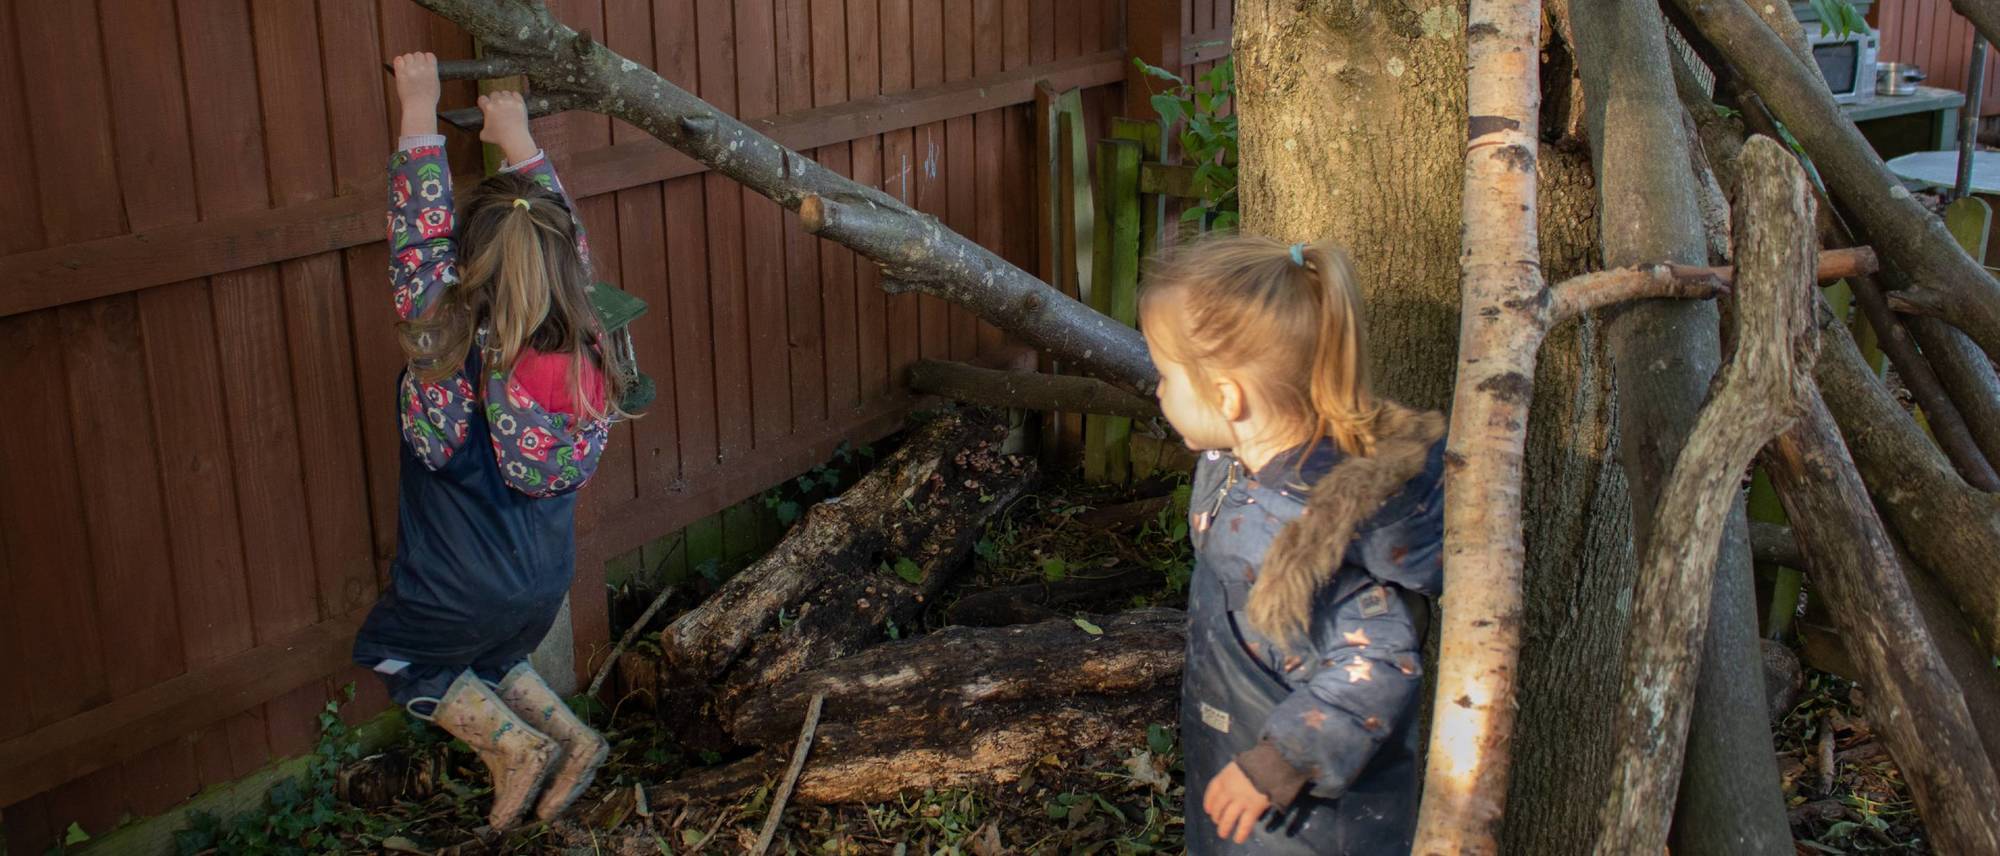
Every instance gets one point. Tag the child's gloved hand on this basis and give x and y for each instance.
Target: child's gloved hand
(507, 125)
(1234, 803)
(417, 88)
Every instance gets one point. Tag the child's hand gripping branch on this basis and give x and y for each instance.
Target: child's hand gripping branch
(417, 90)
(506, 125)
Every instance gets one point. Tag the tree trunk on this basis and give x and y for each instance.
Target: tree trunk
(1353, 128)
(1759, 395)
(1665, 351)
(961, 707)
(1912, 698)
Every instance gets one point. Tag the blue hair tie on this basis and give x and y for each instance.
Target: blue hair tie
(1299, 254)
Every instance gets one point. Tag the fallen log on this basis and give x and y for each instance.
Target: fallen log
(963, 706)
(1760, 393)
(852, 569)
(1773, 543)
(1027, 390)
(1032, 602)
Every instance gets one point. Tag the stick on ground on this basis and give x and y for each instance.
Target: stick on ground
(791, 776)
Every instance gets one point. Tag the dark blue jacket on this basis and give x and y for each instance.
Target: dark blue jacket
(1303, 646)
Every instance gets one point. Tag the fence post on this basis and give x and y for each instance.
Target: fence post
(1153, 34)
(1107, 455)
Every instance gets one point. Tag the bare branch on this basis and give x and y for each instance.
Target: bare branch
(1759, 395)
(914, 248)
(1912, 694)
(1593, 291)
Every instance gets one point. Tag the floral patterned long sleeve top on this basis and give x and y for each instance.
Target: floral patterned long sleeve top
(541, 450)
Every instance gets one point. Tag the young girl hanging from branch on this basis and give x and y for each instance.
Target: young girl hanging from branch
(1317, 523)
(505, 404)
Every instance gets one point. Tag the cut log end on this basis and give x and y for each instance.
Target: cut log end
(814, 213)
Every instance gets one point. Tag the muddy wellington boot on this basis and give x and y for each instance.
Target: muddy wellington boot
(583, 749)
(519, 756)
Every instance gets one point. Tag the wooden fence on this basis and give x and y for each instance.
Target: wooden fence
(198, 501)
(1929, 35)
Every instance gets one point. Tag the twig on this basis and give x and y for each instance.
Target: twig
(791, 775)
(631, 633)
(1596, 290)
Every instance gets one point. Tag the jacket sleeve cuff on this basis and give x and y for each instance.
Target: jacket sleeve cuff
(414, 141)
(1268, 770)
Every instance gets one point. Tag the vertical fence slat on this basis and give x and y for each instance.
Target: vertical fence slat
(864, 79)
(839, 391)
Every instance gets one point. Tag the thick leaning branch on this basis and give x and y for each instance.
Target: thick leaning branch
(1027, 390)
(1593, 291)
(1945, 281)
(1758, 397)
(1984, 15)
(1951, 527)
(1912, 694)
(913, 248)
(1660, 205)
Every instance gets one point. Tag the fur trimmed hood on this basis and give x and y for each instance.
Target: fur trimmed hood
(1308, 552)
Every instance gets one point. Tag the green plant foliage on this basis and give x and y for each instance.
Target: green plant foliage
(1207, 135)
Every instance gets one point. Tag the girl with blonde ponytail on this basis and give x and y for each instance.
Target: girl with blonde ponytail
(1317, 522)
(506, 404)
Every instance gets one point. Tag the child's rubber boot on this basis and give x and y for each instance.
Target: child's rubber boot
(519, 756)
(583, 748)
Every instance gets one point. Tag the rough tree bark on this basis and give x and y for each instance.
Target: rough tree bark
(1027, 390)
(927, 504)
(1945, 281)
(960, 707)
(1665, 352)
(1950, 527)
(1759, 395)
(1912, 696)
(569, 70)
(1352, 122)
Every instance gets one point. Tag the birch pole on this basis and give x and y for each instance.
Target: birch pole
(1504, 316)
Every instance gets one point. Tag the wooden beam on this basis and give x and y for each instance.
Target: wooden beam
(65, 750)
(84, 271)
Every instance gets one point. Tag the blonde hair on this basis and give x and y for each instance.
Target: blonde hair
(523, 278)
(1284, 318)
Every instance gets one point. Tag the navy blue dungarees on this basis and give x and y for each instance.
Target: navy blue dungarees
(479, 575)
